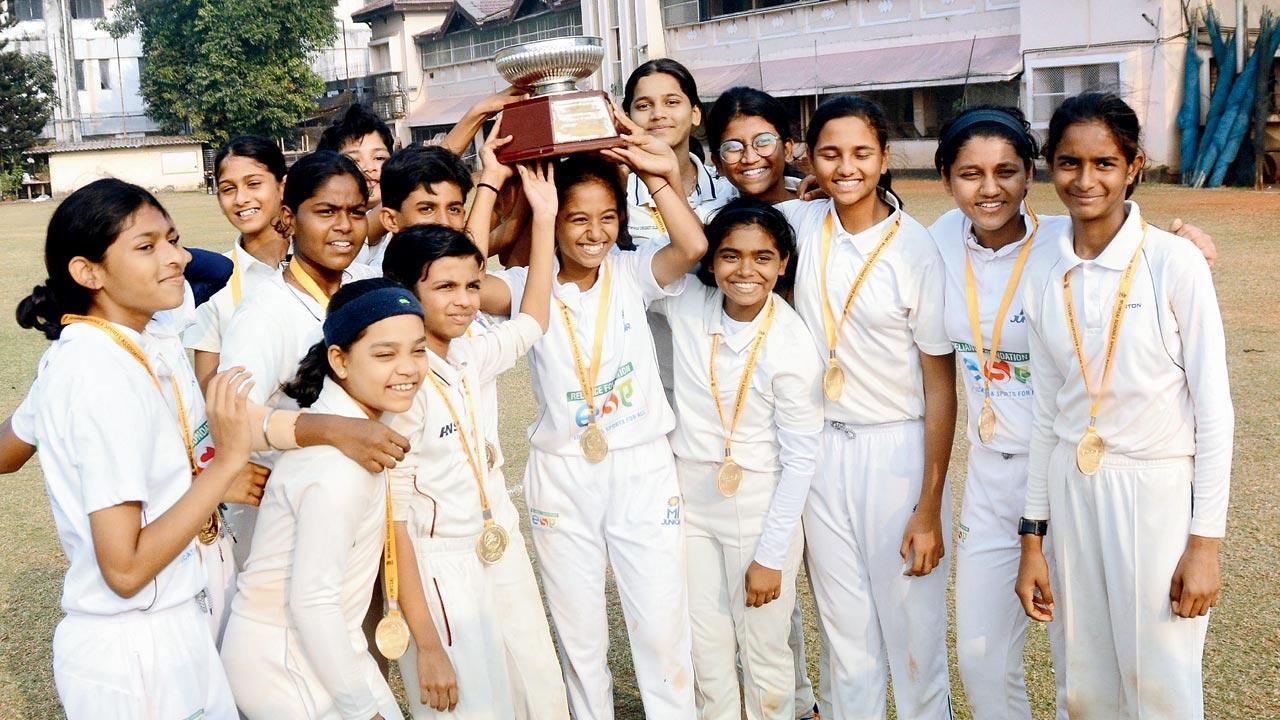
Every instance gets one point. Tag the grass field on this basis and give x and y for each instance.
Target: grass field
(1242, 660)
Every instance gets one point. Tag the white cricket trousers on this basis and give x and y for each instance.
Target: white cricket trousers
(462, 608)
(721, 535)
(991, 627)
(219, 563)
(537, 685)
(623, 513)
(273, 678)
(866, 488)
(159, 664)
(1119, 536)
(804, 699)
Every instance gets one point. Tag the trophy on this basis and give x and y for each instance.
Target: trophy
(558, 119)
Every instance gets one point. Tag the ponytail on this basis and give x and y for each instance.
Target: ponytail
(306, 384)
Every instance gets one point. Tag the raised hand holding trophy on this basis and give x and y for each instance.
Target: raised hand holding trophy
(558, 119)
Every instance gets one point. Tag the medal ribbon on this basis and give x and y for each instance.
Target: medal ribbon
(235, 276)
(657, 220)
(1113, 332)
(971, 299)
(390, 574)
(308, 284)
(467, 449)
(829, 323)
(586, 381)
(740, 399)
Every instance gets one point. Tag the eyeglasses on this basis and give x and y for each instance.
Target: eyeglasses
(765, 144)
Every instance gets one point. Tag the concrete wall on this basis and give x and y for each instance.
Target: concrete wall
(392, 49)
(166, 167)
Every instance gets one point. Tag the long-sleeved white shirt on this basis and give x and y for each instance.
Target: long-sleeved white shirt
(315, 557)
(1168, 395)
(781, 424)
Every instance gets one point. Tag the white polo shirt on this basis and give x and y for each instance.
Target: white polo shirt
(897, 315)
(630, 405)
(709, 194)
(315, 557)
(213, 317)
(433, 487)
(1168, 396)
(1011, 392)
(106, 436)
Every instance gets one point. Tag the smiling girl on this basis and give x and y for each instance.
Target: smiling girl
(1131, 444)
(869, 285)
(601, 483)
(748, 432)
(294, 645)
(749, 134)
(117, 452)
(249, 172)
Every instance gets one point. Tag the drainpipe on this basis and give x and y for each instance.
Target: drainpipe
(1242, 27)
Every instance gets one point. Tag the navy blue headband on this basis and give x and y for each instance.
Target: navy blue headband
(345, 323)
(978, 117)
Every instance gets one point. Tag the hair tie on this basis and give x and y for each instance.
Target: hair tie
(349, 320)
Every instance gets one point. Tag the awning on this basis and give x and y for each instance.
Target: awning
(990, 59)
(443, 110)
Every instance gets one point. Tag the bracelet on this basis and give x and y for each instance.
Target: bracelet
(664, 187)
(1032, 527)
(266, 421)
(487, 185)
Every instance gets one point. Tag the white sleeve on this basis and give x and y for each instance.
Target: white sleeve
(1204, 347)
(496, 351)
(22, 423)
(205, 334)
(251, 341)
(638, 264)
(515, 278)
(410, 424)
(798, 453)
(1046, 382)
(326, 528)
(925, 315)
(114, 442)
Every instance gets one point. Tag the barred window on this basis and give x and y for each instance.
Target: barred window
(28, 9)
(87, 9)
(482, 43)
(1051, 85)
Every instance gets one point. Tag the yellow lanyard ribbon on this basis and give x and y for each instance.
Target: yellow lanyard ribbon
(1113, 332)
(467, 449)
(235, 276)
(131, 347)
(587, 378)
(829, 323)
(390, 573)
(657, 220)
(739, 401)
(971, 299)
(308, 284)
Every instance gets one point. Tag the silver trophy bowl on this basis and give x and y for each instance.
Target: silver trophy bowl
(550, 66)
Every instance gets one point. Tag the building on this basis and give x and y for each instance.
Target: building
(169, 163)
(96, 76)
(344, 67)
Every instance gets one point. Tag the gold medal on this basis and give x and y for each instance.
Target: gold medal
(490, 454)
(492, 543)
(729, 478)
(212, 529)
(1089, 452)
(595, 445)
(392, 635)
(833, 382)
(987, 422)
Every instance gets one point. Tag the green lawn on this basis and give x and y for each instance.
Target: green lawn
(1242, 663)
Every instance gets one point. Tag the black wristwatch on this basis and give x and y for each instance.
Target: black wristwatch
(1032, 527)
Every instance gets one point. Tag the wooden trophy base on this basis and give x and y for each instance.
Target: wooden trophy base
(554, 125)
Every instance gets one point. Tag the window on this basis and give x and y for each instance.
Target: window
(685, 12)
(1051, 85)
(482, 43)
(80, 75)
(28, 9)
(104, 74)
(87, 9)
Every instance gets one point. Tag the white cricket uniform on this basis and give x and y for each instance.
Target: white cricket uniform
(776, 442)
(623, 512)
(294, 646)
(372, 256)
(213, 317)
(873, 465)
(991, 627)
(494, 632)
(268, 336)
(646, 229)
(107, 436)
(1167, 422)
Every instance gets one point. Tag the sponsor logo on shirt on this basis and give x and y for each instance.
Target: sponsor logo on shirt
(541, 519)
(619, 404)
(1018, 319)
(964, 533)
(673, 511)
(447, 429)
(1008, 368)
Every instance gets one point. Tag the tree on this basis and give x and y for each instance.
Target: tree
(26, 99)
(218, 68)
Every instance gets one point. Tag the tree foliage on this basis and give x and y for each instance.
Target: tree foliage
(218, 68)
(27, 96)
